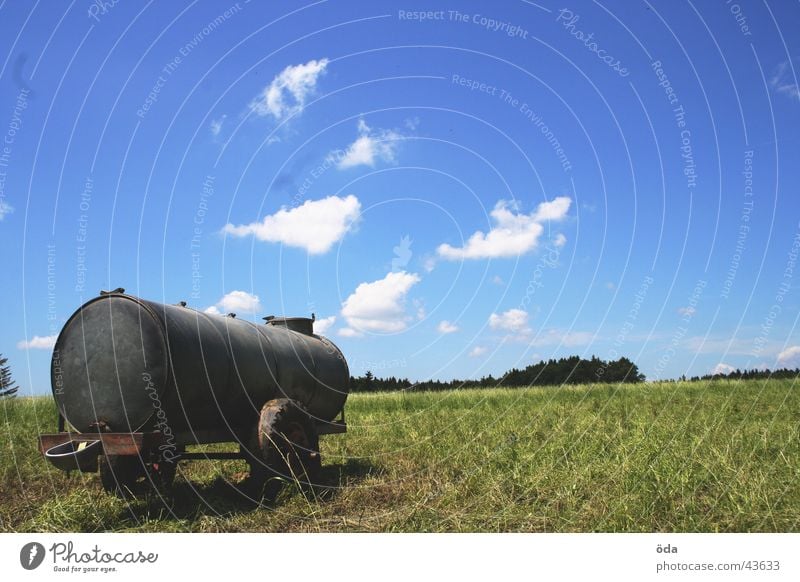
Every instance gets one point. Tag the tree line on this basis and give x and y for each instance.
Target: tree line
(764, 374)
(571, 370)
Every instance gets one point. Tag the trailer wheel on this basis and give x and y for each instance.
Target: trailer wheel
(119, 473)
(288, 441)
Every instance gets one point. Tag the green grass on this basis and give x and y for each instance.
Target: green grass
(717, 456)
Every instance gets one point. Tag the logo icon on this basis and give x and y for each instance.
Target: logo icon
(31, 555)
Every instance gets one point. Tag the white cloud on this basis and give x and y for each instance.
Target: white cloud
(512, 234)
(687, 311)
(348, 332)
(477, 352)
(286, 94)
(783, 81)
(790, 357)
(513, 320)
(555, 209)
(379, 305)
(568, 339)
(446, 327)
(5, 208)
(321, 326)
(315, 226)
(722, 369)
(498, 280)
(370, 146)
(38, 343)
(216, 125)
(236, 302)
(560, 240)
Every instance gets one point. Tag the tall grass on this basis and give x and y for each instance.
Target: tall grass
(711, 456)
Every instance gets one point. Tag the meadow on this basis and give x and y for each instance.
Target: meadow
(688, 457)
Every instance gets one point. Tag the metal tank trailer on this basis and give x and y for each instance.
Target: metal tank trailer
(136, 382)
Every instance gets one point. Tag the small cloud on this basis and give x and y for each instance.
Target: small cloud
(348, 332)
(412, 123)
(321, 326)
(790, 357)
(5, 208)
(559, 241)
(216, 125)
(783, 81)
(369, 147)
(512, 234)
(315, 226)
(445, 327)
(429, 264)
(722, 369)
(379, 306)
(38, 343)
(236, 302)
(513, 320)
(286, 94)
(610, 285)
(497, 280)
(477, 352)
(687, 311)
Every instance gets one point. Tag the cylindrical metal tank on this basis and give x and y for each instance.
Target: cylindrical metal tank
(124, 364)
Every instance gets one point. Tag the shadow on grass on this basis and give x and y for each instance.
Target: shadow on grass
(188, 501)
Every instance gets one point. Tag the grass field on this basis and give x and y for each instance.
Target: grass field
(719, 456)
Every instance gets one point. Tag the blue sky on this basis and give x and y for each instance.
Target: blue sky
(452, 188)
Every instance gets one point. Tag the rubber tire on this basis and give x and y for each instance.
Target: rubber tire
(287, 441)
